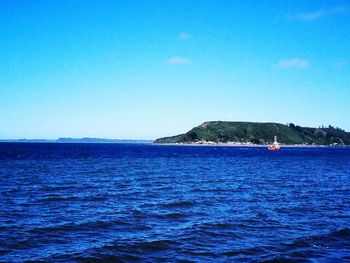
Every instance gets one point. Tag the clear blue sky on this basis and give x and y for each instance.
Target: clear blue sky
(145, 69)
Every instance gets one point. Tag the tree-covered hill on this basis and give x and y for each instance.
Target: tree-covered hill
(260, 133)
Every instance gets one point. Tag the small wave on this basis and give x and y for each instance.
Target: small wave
(104, 258)
(247, 251)
(4, 251)
(58, 188)
(211, 190)
(22, 244)
(172, 215)
(59, 199)
(95, 198)
(307, 247)
(345, 232)
(329, 239)
(159, 188)
(125, 252)
(178, 204)
(35, 261)
(155, 245)
(218, 226)
(14, 190)
(199, 253)
(221, 230)
(284, 260)
(145, 246)
(82, 226)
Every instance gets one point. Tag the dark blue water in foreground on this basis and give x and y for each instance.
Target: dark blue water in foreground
(148, 203)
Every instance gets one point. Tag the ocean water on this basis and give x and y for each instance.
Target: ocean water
(149, 203)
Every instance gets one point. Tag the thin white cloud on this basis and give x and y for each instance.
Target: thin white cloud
(340, 64)
(183, 36)
(179, 60)
(293, 63)
(309, 16)
(318, 14)
(339, 9)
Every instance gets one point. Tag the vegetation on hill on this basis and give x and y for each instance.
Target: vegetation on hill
(260, 133)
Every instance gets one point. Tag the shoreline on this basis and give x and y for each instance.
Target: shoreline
(240, 145)
(246, 145)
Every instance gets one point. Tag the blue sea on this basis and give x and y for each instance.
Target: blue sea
(151, 203)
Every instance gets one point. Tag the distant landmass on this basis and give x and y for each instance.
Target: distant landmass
(256, 133)
(101, 140)
(81, 140)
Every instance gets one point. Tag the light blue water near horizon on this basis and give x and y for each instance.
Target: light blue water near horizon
(152, 203)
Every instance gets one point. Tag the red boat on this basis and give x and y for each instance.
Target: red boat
(275, 146)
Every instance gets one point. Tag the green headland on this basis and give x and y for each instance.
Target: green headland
(255, 133)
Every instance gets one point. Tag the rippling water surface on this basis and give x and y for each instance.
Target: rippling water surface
(149, 203)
